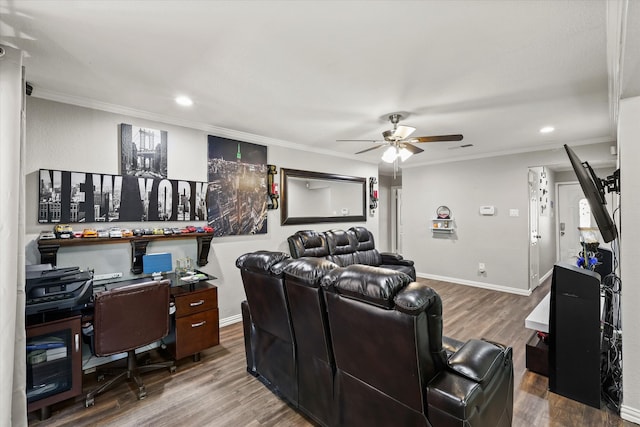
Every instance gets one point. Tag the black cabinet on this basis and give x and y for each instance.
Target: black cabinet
(54, 363)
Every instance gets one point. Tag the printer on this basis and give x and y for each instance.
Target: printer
(49, 288)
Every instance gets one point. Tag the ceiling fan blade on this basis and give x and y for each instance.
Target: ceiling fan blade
(359, 140)
(369, 149)
(437, 138)
(399, 133)
(412, 148)
(403, 132)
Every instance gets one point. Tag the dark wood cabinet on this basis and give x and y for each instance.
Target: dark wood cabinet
(54, 363)
(195, 324)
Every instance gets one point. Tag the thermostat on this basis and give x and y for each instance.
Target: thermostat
(487, 210)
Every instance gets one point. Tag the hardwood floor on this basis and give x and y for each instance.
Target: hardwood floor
(217, 390)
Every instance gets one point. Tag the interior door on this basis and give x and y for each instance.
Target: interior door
(534, 253)
(569, 196)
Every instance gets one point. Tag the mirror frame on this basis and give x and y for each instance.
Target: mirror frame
(285, 219)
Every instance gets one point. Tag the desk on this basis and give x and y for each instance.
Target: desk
(193, 328)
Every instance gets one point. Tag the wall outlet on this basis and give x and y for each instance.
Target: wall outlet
(481, 268)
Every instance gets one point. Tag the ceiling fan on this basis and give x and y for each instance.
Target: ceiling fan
(399, 143)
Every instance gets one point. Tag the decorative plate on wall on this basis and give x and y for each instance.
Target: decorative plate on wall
(443, 212)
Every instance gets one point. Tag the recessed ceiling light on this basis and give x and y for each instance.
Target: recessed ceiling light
(547, 129)
(185, 101)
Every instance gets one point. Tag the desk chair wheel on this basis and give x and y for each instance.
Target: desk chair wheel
(142, 393)
(89, 401)
(172, 369)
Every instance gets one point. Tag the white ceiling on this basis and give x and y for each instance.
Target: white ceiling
(311, 72)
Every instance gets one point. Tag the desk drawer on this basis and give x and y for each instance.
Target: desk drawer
(195, 302)
(196, 333)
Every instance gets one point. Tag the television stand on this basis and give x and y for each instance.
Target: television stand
(537, 351)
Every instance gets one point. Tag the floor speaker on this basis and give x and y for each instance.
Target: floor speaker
(574, 334)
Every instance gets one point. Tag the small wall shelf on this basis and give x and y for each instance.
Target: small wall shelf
(443, 225)
(49, 247)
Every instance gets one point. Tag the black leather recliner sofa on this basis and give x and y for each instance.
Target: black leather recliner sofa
(361, 345)
(354, 246)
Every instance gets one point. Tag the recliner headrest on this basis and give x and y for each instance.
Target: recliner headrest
(308, 243)
(364, 238)
(377, 286)
(416, 298)
(341, 242)
(309, 270)
(263, 262)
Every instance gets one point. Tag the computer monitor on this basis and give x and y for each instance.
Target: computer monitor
(157, 264)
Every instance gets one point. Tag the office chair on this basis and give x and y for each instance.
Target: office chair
(127, 318)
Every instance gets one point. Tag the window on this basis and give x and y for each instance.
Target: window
(585, 213)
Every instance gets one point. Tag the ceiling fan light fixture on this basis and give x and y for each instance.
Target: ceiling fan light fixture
(389, 155)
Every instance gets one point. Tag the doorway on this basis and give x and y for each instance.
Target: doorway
(534, 252)
(573, 212)
(396, 220)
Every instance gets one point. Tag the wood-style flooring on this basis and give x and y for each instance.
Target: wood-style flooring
(217, 390)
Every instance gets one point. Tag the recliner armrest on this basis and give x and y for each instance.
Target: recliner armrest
(478, 360)
(451, 345)
(452, 397)
(394, 259)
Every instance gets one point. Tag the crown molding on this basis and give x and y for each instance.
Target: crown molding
(520, 150)
(616, 37)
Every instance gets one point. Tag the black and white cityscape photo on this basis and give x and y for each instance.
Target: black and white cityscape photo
(67, 197)
(143, 151)
(237, 190)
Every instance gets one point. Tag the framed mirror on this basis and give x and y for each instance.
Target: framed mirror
(314, 197)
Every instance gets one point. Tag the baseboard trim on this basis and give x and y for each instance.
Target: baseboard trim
(630, 414)
(230, 320)
(545, 277)
(524, 292)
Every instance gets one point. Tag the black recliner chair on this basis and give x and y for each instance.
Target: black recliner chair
(362, 345)
(268, 333)
(314, 355)
(354, 246)
(391, 366)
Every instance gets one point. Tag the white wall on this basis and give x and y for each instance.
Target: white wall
(499, 241)
(629, 149)
(67, 137)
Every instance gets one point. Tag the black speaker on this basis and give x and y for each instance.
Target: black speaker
(604, 266)
(574, 334)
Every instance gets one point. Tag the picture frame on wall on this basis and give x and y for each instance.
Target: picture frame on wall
(237, 196)
(143, 151)
(86, 197)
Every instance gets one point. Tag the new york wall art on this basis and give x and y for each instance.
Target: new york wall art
(237, 191)
(67, 197)
(143, 152)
